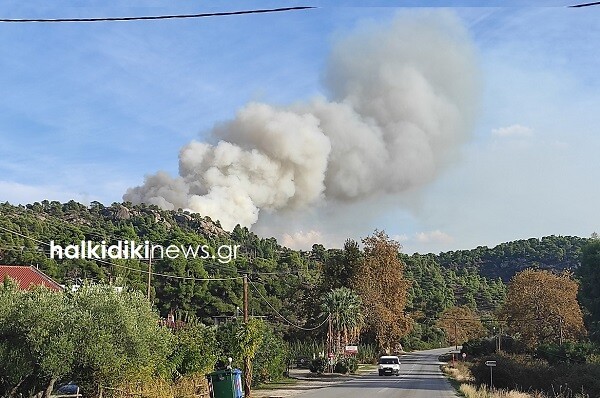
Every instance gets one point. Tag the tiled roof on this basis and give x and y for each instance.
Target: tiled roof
(27, 276)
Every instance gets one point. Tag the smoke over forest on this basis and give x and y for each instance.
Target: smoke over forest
(399, 102)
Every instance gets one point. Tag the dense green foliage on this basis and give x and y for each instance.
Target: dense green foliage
(271, 360)
(95, 336)
(292, 283)
(196, 349)
(527, 374)
(589, 292)
(346, 365)
(568, 352)
(505, 260)
(344, 307)
(283, 273)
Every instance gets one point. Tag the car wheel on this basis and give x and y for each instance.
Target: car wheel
(380, 373)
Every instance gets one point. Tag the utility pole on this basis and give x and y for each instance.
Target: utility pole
(455, 334)
(149, 273)
(329, 344)
(247, 364)
(246, 298)
(500, 340)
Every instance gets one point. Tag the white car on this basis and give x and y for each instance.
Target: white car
(389, 365)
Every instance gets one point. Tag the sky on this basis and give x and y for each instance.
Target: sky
(88, 110)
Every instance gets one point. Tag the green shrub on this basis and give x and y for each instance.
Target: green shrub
(367, 353)
(270, 362)
(487, 346)
(479, 347)
(318, 365)
(346, 365)
(305, 349)
(196, 349)
(524, 373)
(569, 352)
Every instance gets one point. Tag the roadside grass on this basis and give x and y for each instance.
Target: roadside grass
(457, 375)
(460, 378)
(366, 367)
(471, 391)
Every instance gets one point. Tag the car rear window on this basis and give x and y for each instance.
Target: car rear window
(388, 361)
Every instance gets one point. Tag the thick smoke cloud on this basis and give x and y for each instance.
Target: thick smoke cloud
(401, 99)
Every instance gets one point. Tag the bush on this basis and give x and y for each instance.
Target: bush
(196, 350)
(94, 336)
(346, 365)
(569, 352)
(270, 362)
(479, 347)
(318, 365)
(513, 372)
(367, 353)
(526, 374)
(487, 346)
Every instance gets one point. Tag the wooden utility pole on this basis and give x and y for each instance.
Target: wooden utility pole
(500, 340)
(246, 298)
(149, 273)
(247, 364)
(329, 344)
(455, 334)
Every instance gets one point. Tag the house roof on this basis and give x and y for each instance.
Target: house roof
(26, 277)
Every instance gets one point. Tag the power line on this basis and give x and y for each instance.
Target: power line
(595, 3)
(281, 316)
(153, 17)
(190, 278)
(218, 267)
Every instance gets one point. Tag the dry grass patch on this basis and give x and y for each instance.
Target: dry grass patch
(459, 372)
(470, 391)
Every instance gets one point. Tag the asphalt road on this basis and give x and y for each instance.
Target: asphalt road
(420, 377)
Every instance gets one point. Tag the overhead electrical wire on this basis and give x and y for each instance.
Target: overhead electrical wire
(153, 17)
(218, 267)
(595, 3)
(191, 278)
(281, 316)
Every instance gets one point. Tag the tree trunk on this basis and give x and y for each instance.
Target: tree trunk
(14, 390)
(50, 387)
(247, 377)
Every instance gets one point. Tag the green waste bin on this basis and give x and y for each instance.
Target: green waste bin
(225, 384)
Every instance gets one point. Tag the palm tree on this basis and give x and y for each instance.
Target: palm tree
(344, 307)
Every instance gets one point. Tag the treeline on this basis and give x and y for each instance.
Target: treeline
(545, 333)
(373, 294)
(283, 277)
(281, 274)
(289, 281)
(503, 261)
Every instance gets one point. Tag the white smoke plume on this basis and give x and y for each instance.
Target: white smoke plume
(400, 102)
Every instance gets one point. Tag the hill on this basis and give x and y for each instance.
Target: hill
(556, 253)
(284, 281)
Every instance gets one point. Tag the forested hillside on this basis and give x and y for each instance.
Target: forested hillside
(279, 274)
(284, 281)
(505, 260)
